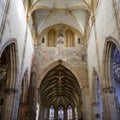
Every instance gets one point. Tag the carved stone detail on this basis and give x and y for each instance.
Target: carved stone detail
(109, 90)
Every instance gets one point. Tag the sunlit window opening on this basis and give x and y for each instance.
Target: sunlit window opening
(60, 113)
(69, 112)
(51, 115)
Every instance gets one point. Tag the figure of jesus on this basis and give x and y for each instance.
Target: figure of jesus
(59, 76)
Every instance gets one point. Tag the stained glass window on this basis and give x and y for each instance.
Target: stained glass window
(115, 69)
(60, 113)
(51, 114)
(69, 113)
(99, 98)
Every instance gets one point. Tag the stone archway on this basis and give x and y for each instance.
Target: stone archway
(59, 87)
(63, 63)
(110, 103)
(8, 79)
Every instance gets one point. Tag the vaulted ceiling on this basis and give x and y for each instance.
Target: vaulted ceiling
(46, 13)
(60, 88)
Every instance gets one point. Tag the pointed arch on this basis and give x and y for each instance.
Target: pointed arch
(53, 65)
(107, 81)
(14, 59)
(9, 65)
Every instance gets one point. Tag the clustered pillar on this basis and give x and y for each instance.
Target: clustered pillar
(110, 106)
(65, 113)
(56, 113)
(86, 103)
(96, 111)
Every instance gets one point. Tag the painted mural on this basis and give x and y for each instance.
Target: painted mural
(75, 56)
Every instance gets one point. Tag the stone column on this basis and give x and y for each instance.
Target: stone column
(42, 112)
(79, 112)
(65, 113)
(86, 108)
(9, 105)
(56, 113)
(73, 113)
(96, 111)
(47, 113)
(39, 116)
(110, 105)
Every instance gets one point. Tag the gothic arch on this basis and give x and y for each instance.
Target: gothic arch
(12, 43)
(9, 64)
(107, 81)
(54, 64)
(59, 85)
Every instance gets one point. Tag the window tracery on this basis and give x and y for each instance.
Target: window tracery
(115, 69)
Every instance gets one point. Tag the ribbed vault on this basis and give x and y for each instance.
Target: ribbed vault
(60, 88)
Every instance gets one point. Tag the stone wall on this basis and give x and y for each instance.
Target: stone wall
(74, 56)
(105, 26)
(14, 29)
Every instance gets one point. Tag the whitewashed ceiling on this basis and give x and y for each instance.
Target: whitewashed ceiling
(70, 12)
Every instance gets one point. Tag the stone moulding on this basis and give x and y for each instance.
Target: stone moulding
(109, 90)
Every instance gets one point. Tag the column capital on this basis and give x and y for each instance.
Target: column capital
(95, 103)
(109, 90)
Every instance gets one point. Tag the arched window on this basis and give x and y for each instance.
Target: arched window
(52, 37)
(69, 113)
(60, 113)
(115, 70)
(51, 113)
(69, 37)
(8, 77)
